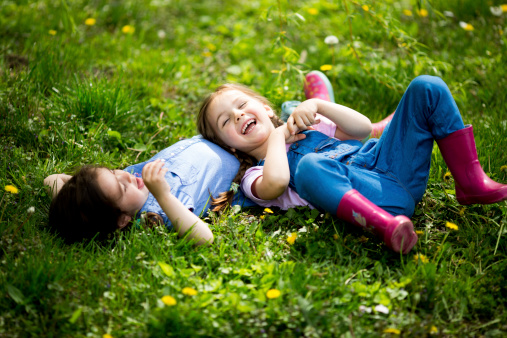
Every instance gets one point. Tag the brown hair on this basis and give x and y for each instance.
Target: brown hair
(204, 128)
(81, 210)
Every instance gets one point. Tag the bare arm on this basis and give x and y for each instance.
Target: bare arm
(350, 124)
(276, 175)
(181, 218)
(55, 182)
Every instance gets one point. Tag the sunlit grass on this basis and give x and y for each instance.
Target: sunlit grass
(113, 83)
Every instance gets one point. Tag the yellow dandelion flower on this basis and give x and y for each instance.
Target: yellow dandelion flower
(447, 176)
(127, 29)
(313, 11)
(421, 258)
(107, 335)
(292, 238)
(422, 13)
(12, 189)
(326, 67)
(466, 26)
(462, 211)
(52, 32)
(503, 168)
(365, 8)
(169, 300)
(451, 226)
(207, 54)
(335, 236)
(363, 239)
(392, 330)
(268, 210)
(419, 232)
(504, 8)
(262, 216)
(273, 293)
(189, 291)
(407, 12)
(211, 47)
(433, 329)
(90, 22)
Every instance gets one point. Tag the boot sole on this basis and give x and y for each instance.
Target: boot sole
(489, 198)
(403, 236)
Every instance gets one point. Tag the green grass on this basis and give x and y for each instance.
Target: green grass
(93, 94)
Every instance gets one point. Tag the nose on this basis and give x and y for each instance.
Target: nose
(125, 175)
(238, 113)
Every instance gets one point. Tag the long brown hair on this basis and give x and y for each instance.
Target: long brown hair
(81, 210)
(205, 129)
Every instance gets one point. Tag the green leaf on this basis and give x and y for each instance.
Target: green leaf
(114, 134)
(15, 294)
(167, 269)
(76, 315)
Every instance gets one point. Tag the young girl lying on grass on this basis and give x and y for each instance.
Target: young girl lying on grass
(329, 168)
(175, 185)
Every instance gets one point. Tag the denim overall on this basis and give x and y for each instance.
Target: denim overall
(392, 171)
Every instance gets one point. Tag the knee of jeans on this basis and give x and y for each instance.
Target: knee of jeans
(424, 83)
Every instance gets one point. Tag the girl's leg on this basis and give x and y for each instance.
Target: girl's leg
(328, 184)
(426, 112)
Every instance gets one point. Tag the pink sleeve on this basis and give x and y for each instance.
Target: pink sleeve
(326, 126)
(289, 199)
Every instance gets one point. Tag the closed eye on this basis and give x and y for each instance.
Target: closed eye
(242, 104)
(226, 120)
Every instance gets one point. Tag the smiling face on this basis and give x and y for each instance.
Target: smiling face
(240, 121)
(127, 191)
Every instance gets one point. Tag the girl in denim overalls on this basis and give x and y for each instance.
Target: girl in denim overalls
(363, 184)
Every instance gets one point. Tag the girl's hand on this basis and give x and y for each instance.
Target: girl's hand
(303, 117)
(154, 178)
(289, 138)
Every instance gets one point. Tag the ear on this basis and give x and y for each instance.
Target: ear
(123, 221)
(269, 110)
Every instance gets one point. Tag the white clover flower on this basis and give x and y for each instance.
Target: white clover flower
(161, 34)
(364, 309)
(449, 14)
(331, 40)
(30, 210)
(496, 11)
(382, 309)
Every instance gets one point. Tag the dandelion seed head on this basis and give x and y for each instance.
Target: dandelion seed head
(331, 40)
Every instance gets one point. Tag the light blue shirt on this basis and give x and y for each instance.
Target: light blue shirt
(197, 168)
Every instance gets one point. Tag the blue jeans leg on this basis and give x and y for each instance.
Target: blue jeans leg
(426, 112)
(323, 181)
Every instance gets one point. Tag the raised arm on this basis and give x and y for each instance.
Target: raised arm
(181, 218)
(275, 175)
(55, 182)
(350, 124)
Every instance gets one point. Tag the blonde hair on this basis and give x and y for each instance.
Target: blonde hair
(206, 130)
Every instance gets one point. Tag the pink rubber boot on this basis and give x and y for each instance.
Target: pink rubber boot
(471, 182)
(317, 85)
(396, 231)
(378, 127)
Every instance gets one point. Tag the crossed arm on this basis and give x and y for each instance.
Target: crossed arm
(350, 124)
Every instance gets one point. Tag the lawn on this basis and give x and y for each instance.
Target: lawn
(113, 82)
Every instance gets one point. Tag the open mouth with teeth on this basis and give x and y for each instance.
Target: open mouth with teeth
(248, 126)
